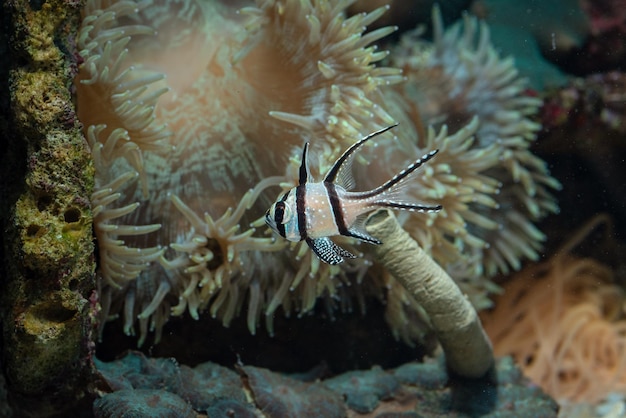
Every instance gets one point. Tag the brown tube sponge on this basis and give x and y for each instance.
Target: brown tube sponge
(455, 322)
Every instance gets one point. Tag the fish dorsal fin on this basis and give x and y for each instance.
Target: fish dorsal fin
(328, 251)
(304, 167)
(341, 171)
(357, 230)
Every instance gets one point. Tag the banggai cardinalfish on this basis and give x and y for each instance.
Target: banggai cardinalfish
(316, 211)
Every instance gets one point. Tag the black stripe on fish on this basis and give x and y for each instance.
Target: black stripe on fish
(301, 209)
(338, 215)
(398, 178)
(279, 214)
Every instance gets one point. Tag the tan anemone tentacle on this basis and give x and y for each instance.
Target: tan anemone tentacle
(212, 255)
(132, 91)
(454, 320)
(120, 263)
(119, 133)
(342, 78)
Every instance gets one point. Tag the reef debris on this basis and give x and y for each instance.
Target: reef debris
(583, 126)
(604, 50)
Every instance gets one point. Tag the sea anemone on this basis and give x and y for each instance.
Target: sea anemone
(196, 114)
(563, 322)
(172, 142)
(451, 81)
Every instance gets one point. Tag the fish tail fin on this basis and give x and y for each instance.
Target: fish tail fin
(392, 193)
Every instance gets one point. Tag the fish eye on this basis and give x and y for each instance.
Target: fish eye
(282, 213)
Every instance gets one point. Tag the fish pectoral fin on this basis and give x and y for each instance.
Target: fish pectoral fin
(328, 251)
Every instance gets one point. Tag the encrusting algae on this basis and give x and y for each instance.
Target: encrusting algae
(47, 278)
(196, 114)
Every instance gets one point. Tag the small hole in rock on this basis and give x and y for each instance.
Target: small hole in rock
(73, 284)
(32, 230)
(71, 215)
(53, 312)
(36, 4)
(43, 202)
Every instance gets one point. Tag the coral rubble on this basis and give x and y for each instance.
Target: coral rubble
(194, 113)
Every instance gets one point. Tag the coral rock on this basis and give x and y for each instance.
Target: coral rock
(142, 403)
(48, 281)
(280, 397)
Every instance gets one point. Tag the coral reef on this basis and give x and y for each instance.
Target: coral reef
(414, 389)
(175, 237)
(562, 320)
(48, 263)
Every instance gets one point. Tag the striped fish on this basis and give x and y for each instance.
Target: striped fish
(313, 212)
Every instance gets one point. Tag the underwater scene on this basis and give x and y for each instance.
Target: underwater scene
(313, 208)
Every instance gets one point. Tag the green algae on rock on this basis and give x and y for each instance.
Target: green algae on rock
(46, 312)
